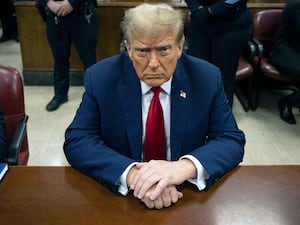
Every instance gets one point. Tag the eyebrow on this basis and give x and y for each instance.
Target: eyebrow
(142, 48)
(168, 46)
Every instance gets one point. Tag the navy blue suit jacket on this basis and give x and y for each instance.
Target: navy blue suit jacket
(106, 133)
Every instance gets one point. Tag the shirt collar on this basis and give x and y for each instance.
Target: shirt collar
(165, 86)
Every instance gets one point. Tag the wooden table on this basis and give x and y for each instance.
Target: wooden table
(254, 195)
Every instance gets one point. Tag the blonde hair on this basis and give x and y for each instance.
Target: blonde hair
(154, 20)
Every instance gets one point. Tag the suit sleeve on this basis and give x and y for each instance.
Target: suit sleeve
(84, 146)
(224, 147)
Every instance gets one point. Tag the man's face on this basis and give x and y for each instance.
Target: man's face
(154, 58)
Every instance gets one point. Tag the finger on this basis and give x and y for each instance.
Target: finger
(175, 195)
(159, 188)
(141, 164)
(180, 194)
(144, 185)
(145, 181)
(166, 199)
(139, 180)
(135, 179)
(148, 203)
(158, 203)
(59, 12)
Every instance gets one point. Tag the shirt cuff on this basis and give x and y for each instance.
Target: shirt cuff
(202, 175)
(123, 187)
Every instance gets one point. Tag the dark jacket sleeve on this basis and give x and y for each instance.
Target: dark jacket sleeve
(41, 2)
(223, 149)
(291, 15)
(221, 7)
(218, 7)
(74, 3)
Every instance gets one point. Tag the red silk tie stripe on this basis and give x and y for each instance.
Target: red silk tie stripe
(155, 137)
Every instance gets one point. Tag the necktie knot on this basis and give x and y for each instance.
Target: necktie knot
(156, 90)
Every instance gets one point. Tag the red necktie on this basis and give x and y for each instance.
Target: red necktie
(155, 138)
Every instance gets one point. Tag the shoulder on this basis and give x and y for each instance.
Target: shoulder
(108, 63)
(109, 68)
(198, 69)
(110, 73)
(192, 61)
(200, 76)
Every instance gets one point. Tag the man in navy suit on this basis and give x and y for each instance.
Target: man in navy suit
(106, 138)
(3, 141)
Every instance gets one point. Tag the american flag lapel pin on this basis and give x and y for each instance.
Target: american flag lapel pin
(182, 94)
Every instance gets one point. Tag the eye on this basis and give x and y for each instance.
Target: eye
(141, 52)
(164, 50)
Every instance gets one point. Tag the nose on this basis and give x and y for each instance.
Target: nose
(153, 60)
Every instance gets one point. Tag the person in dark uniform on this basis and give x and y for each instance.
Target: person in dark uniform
(3, 141)
(8, 21)
(218, 31)
(69, 21)
(285, 55)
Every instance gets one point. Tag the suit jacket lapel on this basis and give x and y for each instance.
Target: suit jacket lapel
(180, 92)
(130, 94)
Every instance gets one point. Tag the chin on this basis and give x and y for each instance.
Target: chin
(155, 83)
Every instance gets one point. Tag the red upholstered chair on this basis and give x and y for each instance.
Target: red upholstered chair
(265, 25)
(12, 103)
(244, 78)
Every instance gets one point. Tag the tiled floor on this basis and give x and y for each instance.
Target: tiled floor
(269, 140)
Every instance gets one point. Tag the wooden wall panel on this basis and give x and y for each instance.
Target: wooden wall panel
(35, 50)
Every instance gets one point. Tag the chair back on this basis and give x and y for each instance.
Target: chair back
(12, 102)
(265, 25)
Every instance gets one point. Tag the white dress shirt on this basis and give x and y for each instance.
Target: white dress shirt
(165, 100)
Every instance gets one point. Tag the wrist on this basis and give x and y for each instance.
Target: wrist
(189, 168)
(131, 174)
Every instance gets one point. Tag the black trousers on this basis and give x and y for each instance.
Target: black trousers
(8, 19)
(73, 28)
(294, 99)
(219, 46)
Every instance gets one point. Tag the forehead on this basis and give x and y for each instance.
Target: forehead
(153, 41)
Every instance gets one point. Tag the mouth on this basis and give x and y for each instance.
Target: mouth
(153, 76)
